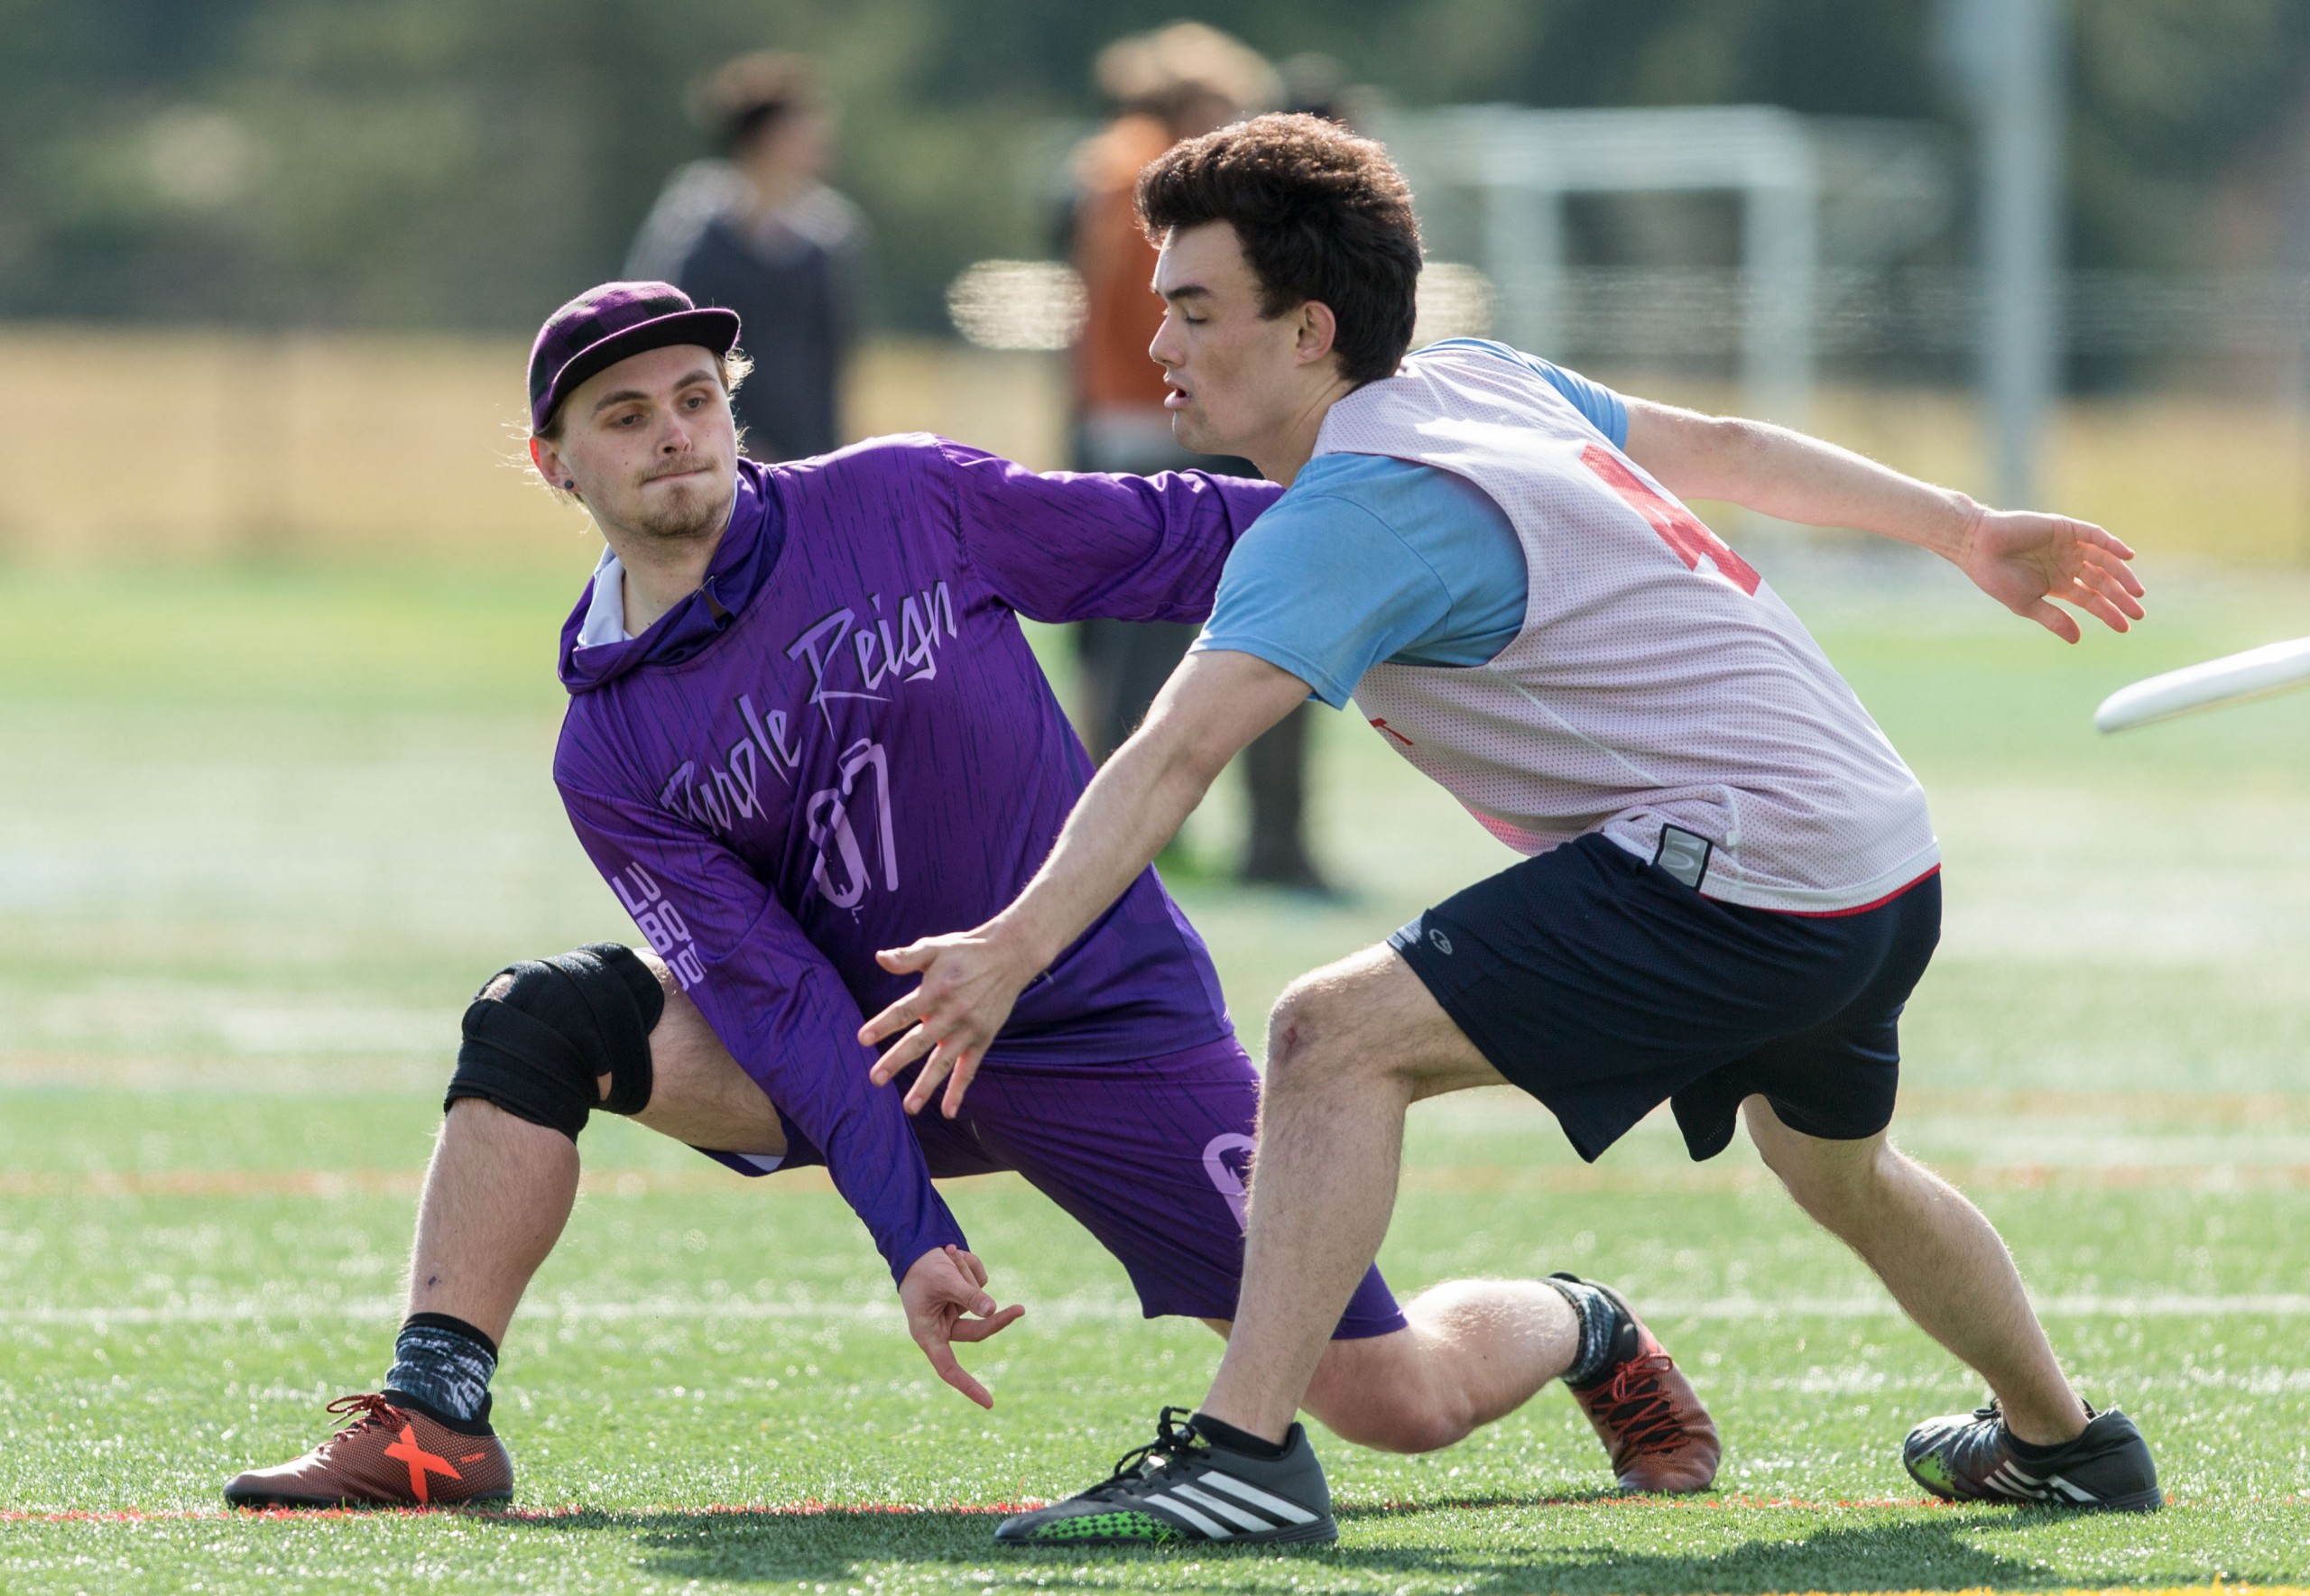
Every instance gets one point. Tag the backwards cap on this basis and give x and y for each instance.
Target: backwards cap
(604, 325)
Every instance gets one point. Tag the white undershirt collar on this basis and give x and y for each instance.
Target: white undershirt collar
(605, 620)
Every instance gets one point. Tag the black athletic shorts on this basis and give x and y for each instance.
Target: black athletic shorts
(1603, 985)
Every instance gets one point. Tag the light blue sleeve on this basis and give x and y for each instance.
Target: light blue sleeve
(1606, 410)
(1370, 559)
(1324, 588)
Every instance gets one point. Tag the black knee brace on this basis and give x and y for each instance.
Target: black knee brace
(539, 1049)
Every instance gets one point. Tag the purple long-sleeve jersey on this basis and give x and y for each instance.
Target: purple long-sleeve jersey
(842, 742)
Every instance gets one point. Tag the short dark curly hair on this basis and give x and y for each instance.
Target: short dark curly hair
(1321, 215)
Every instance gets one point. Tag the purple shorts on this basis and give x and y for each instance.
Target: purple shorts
(1150, 1157)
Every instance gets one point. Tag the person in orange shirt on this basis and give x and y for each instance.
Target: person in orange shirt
(1176, 83)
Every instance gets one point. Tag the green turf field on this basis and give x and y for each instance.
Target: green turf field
(263, 831)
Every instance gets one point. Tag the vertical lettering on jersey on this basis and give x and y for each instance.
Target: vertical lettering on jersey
(660, 923)
(1678, 527)
(834, 832)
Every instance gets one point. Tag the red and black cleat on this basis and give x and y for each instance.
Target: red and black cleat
(394, 1453)
(1646, 1412)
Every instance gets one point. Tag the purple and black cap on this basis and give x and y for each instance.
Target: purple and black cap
(604, 325)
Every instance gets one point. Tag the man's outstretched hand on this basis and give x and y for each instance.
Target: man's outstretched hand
(945, 1301)
(1215, 703)
(2022, 559)
(969, 984)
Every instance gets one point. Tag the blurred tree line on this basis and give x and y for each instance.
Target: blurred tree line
(469, 164)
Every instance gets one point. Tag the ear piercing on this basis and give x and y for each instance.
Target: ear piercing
(569, 482)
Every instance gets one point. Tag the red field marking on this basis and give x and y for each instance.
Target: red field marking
(1714, 1502)
(1569, 1179)
(360, 1182)
(209, 1182)
(341, 1072)
(1679, 1179)
(805, 1508)
(815, 1509)
(810, 1508)
(2260, 1109)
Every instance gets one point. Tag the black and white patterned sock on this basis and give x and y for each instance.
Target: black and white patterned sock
(1600, 1326)
(445, 1363)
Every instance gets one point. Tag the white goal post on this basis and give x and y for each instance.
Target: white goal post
(1518, 166)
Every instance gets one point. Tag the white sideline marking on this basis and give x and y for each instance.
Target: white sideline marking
(1092, 1309)
(2157, 1306)
(1064, 1310)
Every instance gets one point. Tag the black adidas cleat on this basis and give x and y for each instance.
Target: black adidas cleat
(1181, 1489)
(1972, 1458)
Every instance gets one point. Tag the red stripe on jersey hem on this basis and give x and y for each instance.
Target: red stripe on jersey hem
(1838, 914)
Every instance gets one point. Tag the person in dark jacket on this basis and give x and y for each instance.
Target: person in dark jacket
(1168, 85)
(758, 232)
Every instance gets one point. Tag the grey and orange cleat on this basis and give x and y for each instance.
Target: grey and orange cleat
(393, 1453)
(1975, 1458)
(1646, 1412)
(1182, 1490)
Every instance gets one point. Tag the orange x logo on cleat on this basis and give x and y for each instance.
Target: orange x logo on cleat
(421, 1462)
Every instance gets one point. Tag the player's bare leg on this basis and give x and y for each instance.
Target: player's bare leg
(1349, 1051)
(1945, 1265)
(500, 1188)
(1475, 1350)
(1939, 1257)
(497, 1194)
(1350, 1048)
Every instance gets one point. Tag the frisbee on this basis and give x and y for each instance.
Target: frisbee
(2230, 679)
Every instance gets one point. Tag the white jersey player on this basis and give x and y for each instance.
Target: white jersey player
(1731, 883)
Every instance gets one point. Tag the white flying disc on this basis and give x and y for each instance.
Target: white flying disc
(2253, 674)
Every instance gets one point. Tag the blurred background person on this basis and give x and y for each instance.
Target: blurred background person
(1175, 83)
(758, 232)
(1318, 85)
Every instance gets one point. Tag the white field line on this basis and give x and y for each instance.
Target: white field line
(2157, 1306)
(1087, 1309)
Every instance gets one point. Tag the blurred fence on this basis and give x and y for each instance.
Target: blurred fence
(128, 442)
(2234, 329)
(132, 444)
(2236, 333)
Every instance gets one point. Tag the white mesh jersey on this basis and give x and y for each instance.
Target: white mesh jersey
(1656, 681)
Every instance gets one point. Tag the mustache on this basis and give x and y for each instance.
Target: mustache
(678, 468)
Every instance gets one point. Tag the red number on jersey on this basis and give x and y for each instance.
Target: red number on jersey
(1678, 527)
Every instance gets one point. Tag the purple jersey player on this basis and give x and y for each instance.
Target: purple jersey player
(805, 724)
